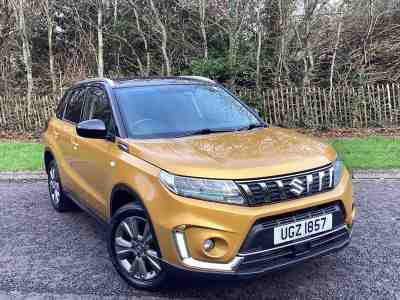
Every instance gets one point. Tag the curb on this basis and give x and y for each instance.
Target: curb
(34, 176)
(377, 174)
(23, 176)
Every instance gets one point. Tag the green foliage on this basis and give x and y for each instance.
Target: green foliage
(212, 67)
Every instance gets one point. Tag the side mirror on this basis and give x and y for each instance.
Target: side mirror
(94, 129)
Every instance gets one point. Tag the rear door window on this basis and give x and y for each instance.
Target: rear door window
(74, 106)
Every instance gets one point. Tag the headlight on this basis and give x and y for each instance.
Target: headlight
(337, 173)
(224, 191)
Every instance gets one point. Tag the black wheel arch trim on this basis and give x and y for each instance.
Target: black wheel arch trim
(45, 151)
(122, 187)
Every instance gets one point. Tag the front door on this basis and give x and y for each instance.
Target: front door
(96, 156)
(67, 142)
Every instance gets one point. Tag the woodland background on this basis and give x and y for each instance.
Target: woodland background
(283, 56)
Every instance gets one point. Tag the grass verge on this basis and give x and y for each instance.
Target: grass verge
(376, 152)
(19, 156)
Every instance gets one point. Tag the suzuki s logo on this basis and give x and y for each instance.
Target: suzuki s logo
(296, 186)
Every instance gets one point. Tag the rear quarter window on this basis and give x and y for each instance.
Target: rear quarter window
(61, 105)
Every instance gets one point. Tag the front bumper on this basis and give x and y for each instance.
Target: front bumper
(258, 253)
(242, 271)
(230, 226)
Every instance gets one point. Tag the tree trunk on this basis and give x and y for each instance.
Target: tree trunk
(50, 26)
(202, 10)
(26, 52)
(164, 37)
(282, 41)
(100, 57)
(259, 46)
(144, 39)
(339, 30)
(115, 11)
(51, 59)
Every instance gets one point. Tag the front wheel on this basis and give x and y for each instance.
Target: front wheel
(59, 200)
(133, 249)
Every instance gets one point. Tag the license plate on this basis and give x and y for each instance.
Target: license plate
(301, 229)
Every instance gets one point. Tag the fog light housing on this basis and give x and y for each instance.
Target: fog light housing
(208, 245)
(189, 261)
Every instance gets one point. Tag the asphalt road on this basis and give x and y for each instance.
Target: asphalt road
(44, 254)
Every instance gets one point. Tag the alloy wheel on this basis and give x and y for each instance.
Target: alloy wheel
(135, 249)
(54, 186)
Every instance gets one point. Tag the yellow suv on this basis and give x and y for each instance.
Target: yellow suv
(189, 178)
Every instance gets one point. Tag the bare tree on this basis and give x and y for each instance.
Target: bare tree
(304, 37)
(338, 36)
(7, 28)
(281, 11)
(260, 34)
(115, 11)
(46, 4)
(202, 12)
(100, 44)
(164, 36)
(142, 36)
(19, 7)
(232, 16)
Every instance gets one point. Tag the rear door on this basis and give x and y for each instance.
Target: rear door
(56, 128)
(97, 156)
(68, 141)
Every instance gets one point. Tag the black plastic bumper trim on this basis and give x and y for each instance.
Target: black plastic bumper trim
(241, 275)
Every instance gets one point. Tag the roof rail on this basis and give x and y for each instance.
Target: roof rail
(97, 79)
(200, 78)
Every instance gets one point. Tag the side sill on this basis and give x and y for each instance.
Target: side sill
(86, 209)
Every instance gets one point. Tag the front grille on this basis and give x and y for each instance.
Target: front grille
(288, 187)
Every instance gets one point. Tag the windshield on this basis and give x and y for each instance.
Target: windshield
(181, 110)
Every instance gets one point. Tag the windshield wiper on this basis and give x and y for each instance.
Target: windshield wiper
(252, 126)
(205, 131)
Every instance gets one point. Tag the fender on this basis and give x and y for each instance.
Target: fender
(137, 201)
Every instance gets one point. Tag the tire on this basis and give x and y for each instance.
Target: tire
(133, 249)
(58, 199)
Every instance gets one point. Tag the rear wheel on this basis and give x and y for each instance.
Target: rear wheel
(58, 199)
(133, 249)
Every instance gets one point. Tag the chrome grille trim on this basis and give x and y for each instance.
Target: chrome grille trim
(287, 175)
(287, 187)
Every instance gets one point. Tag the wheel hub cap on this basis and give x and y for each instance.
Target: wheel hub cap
(54, 186)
